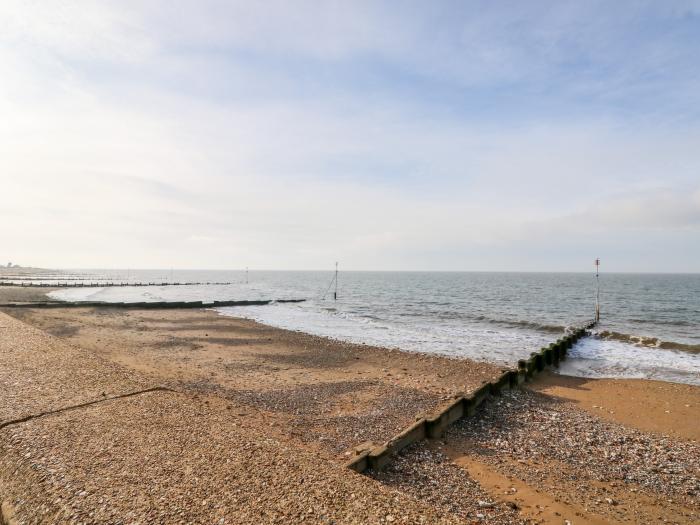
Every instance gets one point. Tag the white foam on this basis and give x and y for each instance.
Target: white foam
(114, 294)
(478, 342)
(595, 357)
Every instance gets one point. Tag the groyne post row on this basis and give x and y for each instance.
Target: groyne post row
(434, 425)
(143, 305)
(101, 284)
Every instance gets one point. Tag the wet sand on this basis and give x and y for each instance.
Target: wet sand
(319, 401)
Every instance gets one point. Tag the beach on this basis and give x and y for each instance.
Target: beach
(199, 417)
(349, 263)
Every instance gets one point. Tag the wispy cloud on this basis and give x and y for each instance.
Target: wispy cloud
(447, 135)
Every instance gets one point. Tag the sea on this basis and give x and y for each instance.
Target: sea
(650, 323)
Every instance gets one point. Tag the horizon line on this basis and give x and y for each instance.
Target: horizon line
(243, 269)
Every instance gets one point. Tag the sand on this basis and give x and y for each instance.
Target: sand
(249, 410)
(652, 406)
(553, 462)
(326, 395)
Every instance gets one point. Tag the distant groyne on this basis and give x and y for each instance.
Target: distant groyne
(144, 305)
(76, 283)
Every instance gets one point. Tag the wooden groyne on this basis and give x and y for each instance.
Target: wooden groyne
(434, 425)
(142, 305)
(103, 284)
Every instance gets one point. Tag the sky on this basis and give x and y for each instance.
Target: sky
(399, 135)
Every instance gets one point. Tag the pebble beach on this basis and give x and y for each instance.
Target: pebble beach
(148, 416)
(349, 263)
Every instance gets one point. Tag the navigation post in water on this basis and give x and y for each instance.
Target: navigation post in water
(597, 298)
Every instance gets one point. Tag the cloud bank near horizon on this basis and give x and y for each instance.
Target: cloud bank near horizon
(455, 135)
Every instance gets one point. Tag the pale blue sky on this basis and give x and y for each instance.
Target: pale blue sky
(386, 135)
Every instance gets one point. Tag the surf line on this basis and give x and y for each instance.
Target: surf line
(104, 284)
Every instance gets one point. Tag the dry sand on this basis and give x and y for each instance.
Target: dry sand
(252, 410)
(325, 395)
(668, 408)
(159, 456)
(553, 463)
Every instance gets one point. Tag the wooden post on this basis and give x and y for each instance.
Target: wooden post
(597, 300)
(335, 293)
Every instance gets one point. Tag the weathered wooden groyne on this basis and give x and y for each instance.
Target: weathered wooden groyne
(143, 304)
(434, 425)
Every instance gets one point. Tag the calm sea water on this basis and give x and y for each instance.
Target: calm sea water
(649, 329)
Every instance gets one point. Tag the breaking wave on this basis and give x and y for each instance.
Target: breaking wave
(648, 341)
